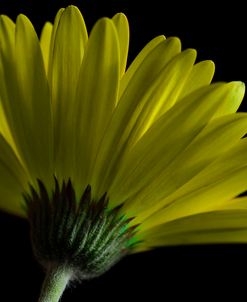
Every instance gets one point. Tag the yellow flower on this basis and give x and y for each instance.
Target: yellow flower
(105, 162)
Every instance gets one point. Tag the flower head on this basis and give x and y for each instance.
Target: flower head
(105, 162)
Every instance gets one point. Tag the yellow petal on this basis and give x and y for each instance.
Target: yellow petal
(234, 204)
(97, 95)
(130, 106)
(5, 131)
(7, 37)
(164, 141)
(217, 137)
(69, 45)
(45, 43)
(156, 54)
(13, 180)
(164, 92)
(201, 75)
(222, 180)
(26, 100)
(52, 41)
(122, 26)
(36, 100)
(235, 95)
(228, 226)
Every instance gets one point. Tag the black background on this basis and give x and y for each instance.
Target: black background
(218, 32)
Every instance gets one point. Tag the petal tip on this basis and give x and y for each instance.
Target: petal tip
(238, 86)
(72, 9)
(120, 16)
(175, 41)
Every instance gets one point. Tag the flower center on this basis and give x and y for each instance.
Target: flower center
(86, 235)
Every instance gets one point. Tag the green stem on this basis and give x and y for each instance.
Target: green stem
(56, 280)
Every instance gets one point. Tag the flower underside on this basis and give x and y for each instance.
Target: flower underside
(158, 136)
(86, 236)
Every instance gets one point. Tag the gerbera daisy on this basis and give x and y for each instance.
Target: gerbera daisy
(104, 162)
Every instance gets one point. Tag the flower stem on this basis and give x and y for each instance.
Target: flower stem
(56, 280)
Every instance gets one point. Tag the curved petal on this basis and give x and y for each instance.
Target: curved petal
(52, 41)
(4, 129)
(233, 100)
(45, 43)
(25, 98)
(96, 96)
(13, 180)
(229, 226)
(68, 50)
(119, 131)
(217, 137)
(201, 75)
(164, 93)
(153, 57)
(122, 26)
(222, 180)
(234, 204)
(7, 36)
(164, 141)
